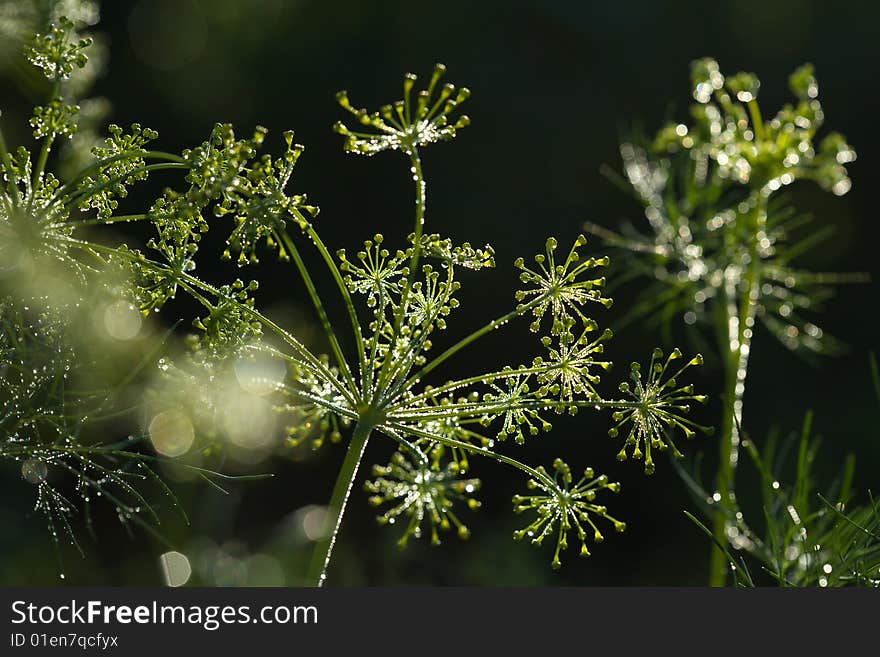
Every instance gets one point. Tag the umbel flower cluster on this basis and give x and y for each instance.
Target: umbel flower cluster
(719, 227)
(723, 239)
(398, 297)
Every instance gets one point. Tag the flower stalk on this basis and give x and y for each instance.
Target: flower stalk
(720, 249)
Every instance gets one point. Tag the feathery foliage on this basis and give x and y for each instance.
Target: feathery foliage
(807, 536)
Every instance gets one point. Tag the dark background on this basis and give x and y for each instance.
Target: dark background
(555, 86)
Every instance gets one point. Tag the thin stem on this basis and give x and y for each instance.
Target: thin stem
(374, 351)
(90, 191)
(47, 143)
(319, 308)
(740, 318)
(757, 122)
(464, 342)
(79, 450)
(120, 218)
(408, 446)
(407, 402)
(421, 199)
(41, 162)
(317, 572)
(343, 290)
(95, 166)
(724, 483)
(473, 410)
(482, 451)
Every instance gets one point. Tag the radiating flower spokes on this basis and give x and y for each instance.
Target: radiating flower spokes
(378, 277)
(505, 402)
(558, 288)
(406, 124)
(562, 505)
(422, 494)
(571, 366)
(431, 300)
(659, 406)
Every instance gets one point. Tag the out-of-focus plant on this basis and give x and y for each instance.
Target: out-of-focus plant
(806, 537)
(19, 21)
(243, 367)
(71, 338)
(720, 248)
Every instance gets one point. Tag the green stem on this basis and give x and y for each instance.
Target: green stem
(421, 198)
(757, 122)
(41, 162)
(322, 314)
(724, 483)
(739, 318)
(47, 142)
(460, 383)
(116, 219)
(89, 191)
(474, 449)
(95, 166)
(343, 290)
(464, 342)
(317, 572)
(473, 410)
(100, 451)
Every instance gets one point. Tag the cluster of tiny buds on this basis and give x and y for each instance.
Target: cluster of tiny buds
(404, 124)
(658, 406)
(563, 505)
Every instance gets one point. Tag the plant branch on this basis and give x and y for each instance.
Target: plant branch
(464, 342)
(400, 311)
(343, 290)
(317, 573)
(739, 316)
(322, 314)
(474, 449)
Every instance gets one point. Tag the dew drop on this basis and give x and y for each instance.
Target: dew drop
(34, 471)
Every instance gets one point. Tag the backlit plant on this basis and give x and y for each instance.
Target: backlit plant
(805, 537)
(69, 345)
(720, 247)
(243, 366)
